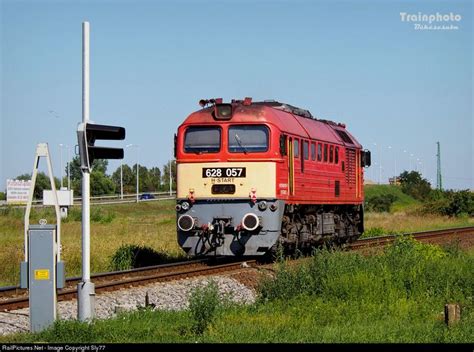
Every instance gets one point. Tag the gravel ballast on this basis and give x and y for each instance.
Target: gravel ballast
(164, 296)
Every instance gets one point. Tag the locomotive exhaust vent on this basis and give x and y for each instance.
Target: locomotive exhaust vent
(185, 222)
(250, 222)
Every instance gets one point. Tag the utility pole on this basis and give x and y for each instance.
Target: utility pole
(138, 165)
(439, 181)
(61, 163)
(85, 289)
(121, 180)
(68, 168)
(171, 180)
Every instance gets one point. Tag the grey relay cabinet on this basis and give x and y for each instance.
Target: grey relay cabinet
(42, 275)
(42, 271)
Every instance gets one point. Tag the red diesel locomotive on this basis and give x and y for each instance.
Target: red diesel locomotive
(255, 175)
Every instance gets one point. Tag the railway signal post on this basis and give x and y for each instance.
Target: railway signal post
(87, 134)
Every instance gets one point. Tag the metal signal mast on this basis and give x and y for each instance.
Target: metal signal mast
(439, 181)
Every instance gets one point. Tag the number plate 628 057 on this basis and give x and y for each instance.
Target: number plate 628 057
(216, 172)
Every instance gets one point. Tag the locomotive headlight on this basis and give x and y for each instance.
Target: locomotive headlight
(185, 222)
(223, 111)
(262, 205)
(250, 222)
(185, 206)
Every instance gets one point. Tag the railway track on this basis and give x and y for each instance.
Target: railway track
(14, 297)
(433, 236)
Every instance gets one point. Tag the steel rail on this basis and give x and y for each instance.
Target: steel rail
(9, 291)
(378, 241)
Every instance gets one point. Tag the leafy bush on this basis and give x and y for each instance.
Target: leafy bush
(380, 203)
(133, 256)
(461, 202)
(414, 185)
(450, 203)
(407, 269)
(204, 303)
(3, 196)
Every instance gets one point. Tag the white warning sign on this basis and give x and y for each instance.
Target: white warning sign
(18, 191)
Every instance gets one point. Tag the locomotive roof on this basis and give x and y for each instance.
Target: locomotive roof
(288, 118)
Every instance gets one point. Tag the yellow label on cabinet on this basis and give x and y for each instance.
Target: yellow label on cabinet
(42, 274)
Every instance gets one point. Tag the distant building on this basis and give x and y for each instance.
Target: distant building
(394, 180)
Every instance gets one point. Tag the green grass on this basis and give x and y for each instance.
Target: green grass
(403, 201)
(146, 224)
(335, 297)
(400, 222)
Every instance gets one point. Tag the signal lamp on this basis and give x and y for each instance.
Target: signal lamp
(185, 206)
(88, 133)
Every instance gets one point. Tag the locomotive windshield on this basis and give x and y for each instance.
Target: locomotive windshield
(202, 139)
(248, 138)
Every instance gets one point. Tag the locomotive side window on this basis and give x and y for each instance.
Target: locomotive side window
(331, 154)
(313, 151)
(296, 148)
(202, 139)
(320, 152)
(248, 138)
(336, 155)
(325, 153)
(306, 150)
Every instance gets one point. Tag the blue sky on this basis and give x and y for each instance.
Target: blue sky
(355, 62)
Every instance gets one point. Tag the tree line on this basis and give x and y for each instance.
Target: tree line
(149, 179)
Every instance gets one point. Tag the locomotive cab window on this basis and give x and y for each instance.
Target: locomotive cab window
(325, 153)
(248, 138)
(331, 154)
(336, 155)
(320, 152)
(313, 151)
(202, 139)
